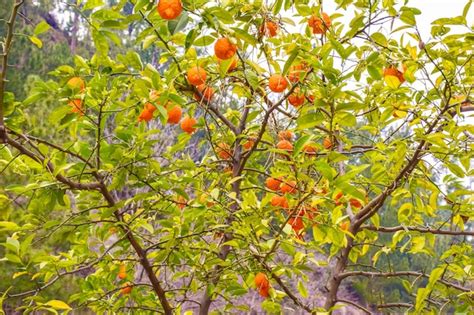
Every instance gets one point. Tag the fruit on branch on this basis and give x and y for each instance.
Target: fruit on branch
(355, 203)
(297, 224)
(247, 145)
(392, 72)
(76, 105)
(181, 202)
(122, 274)
(285, 145)
(310, 148)
(196, 75)
(174, 114)
(145, 115)
(277, 83)
(285, 135)
(262, 283)
(150, 107)
(224, 151)
(344, 225)
(76, 84)
(288, 187)
(126, 288)
(327, 143)
(318, 25)
(296, 98)
(273, 183)
(169, 9)
(337, 198)
(187, 124)
(279, 201)
(269, 28)
(224, 48)
(207, 92)
(297, 72)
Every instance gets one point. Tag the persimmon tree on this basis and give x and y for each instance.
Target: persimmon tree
(316, 129)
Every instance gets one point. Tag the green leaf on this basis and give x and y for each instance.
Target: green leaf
(290, 60)
(175, 26)
(41, 27)
(58, 305)
(204, 41)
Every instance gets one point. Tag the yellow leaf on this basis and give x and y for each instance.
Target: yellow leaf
(392, 81)
(18, 274)
(58, 305)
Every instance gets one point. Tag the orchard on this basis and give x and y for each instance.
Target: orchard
(236, 157)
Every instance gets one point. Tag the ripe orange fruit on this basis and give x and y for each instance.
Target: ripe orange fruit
(296, 98)
(196, 76)
(319, 26)
(296, 224)
(261, 280)
(76, 84)
(355, 203)
(392, 71)
(296, 72)
(310, 149)
(269, 28)
(327, 144)
(223, 151)
(207, 92)
(224, 49)
(187, 124)
(122, 271)
(279, 201)
(285, 145)
(145, 115)
(181, 202)
(174, 114)
(344, 225)
(264, 292)
(126, 288)
(273, 183)
(277, 83)
(169, 9)
(288, 187)
(76, 105)
(232, 66)
(248, 144)
(285, 135)
(337, 198)
(150, 107)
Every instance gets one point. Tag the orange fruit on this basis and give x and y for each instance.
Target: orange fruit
(187, 124)
(337, 198)
(310, 149)
(150, 107)
(181, 202)
(232, 66)
(273, 183)
(145, 115)
(319, 26)
(279, 201)
(76, 84)
(296, 224)
(223, 151)
(224, 49)
(261, 280)
(264, 292)
(277, 83)
(169, 9)
(196, 75)
(126, 288)
(248, 144)
(76, 105)
(207, 92)
(269, 28)
(285, 135)
(288, 187)
(174, 114)
(344, 225)
(355, 203)
(285, 145)
(296, 72)
(296, 98)
(122, 271)
(327, 144)
(392, 71)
